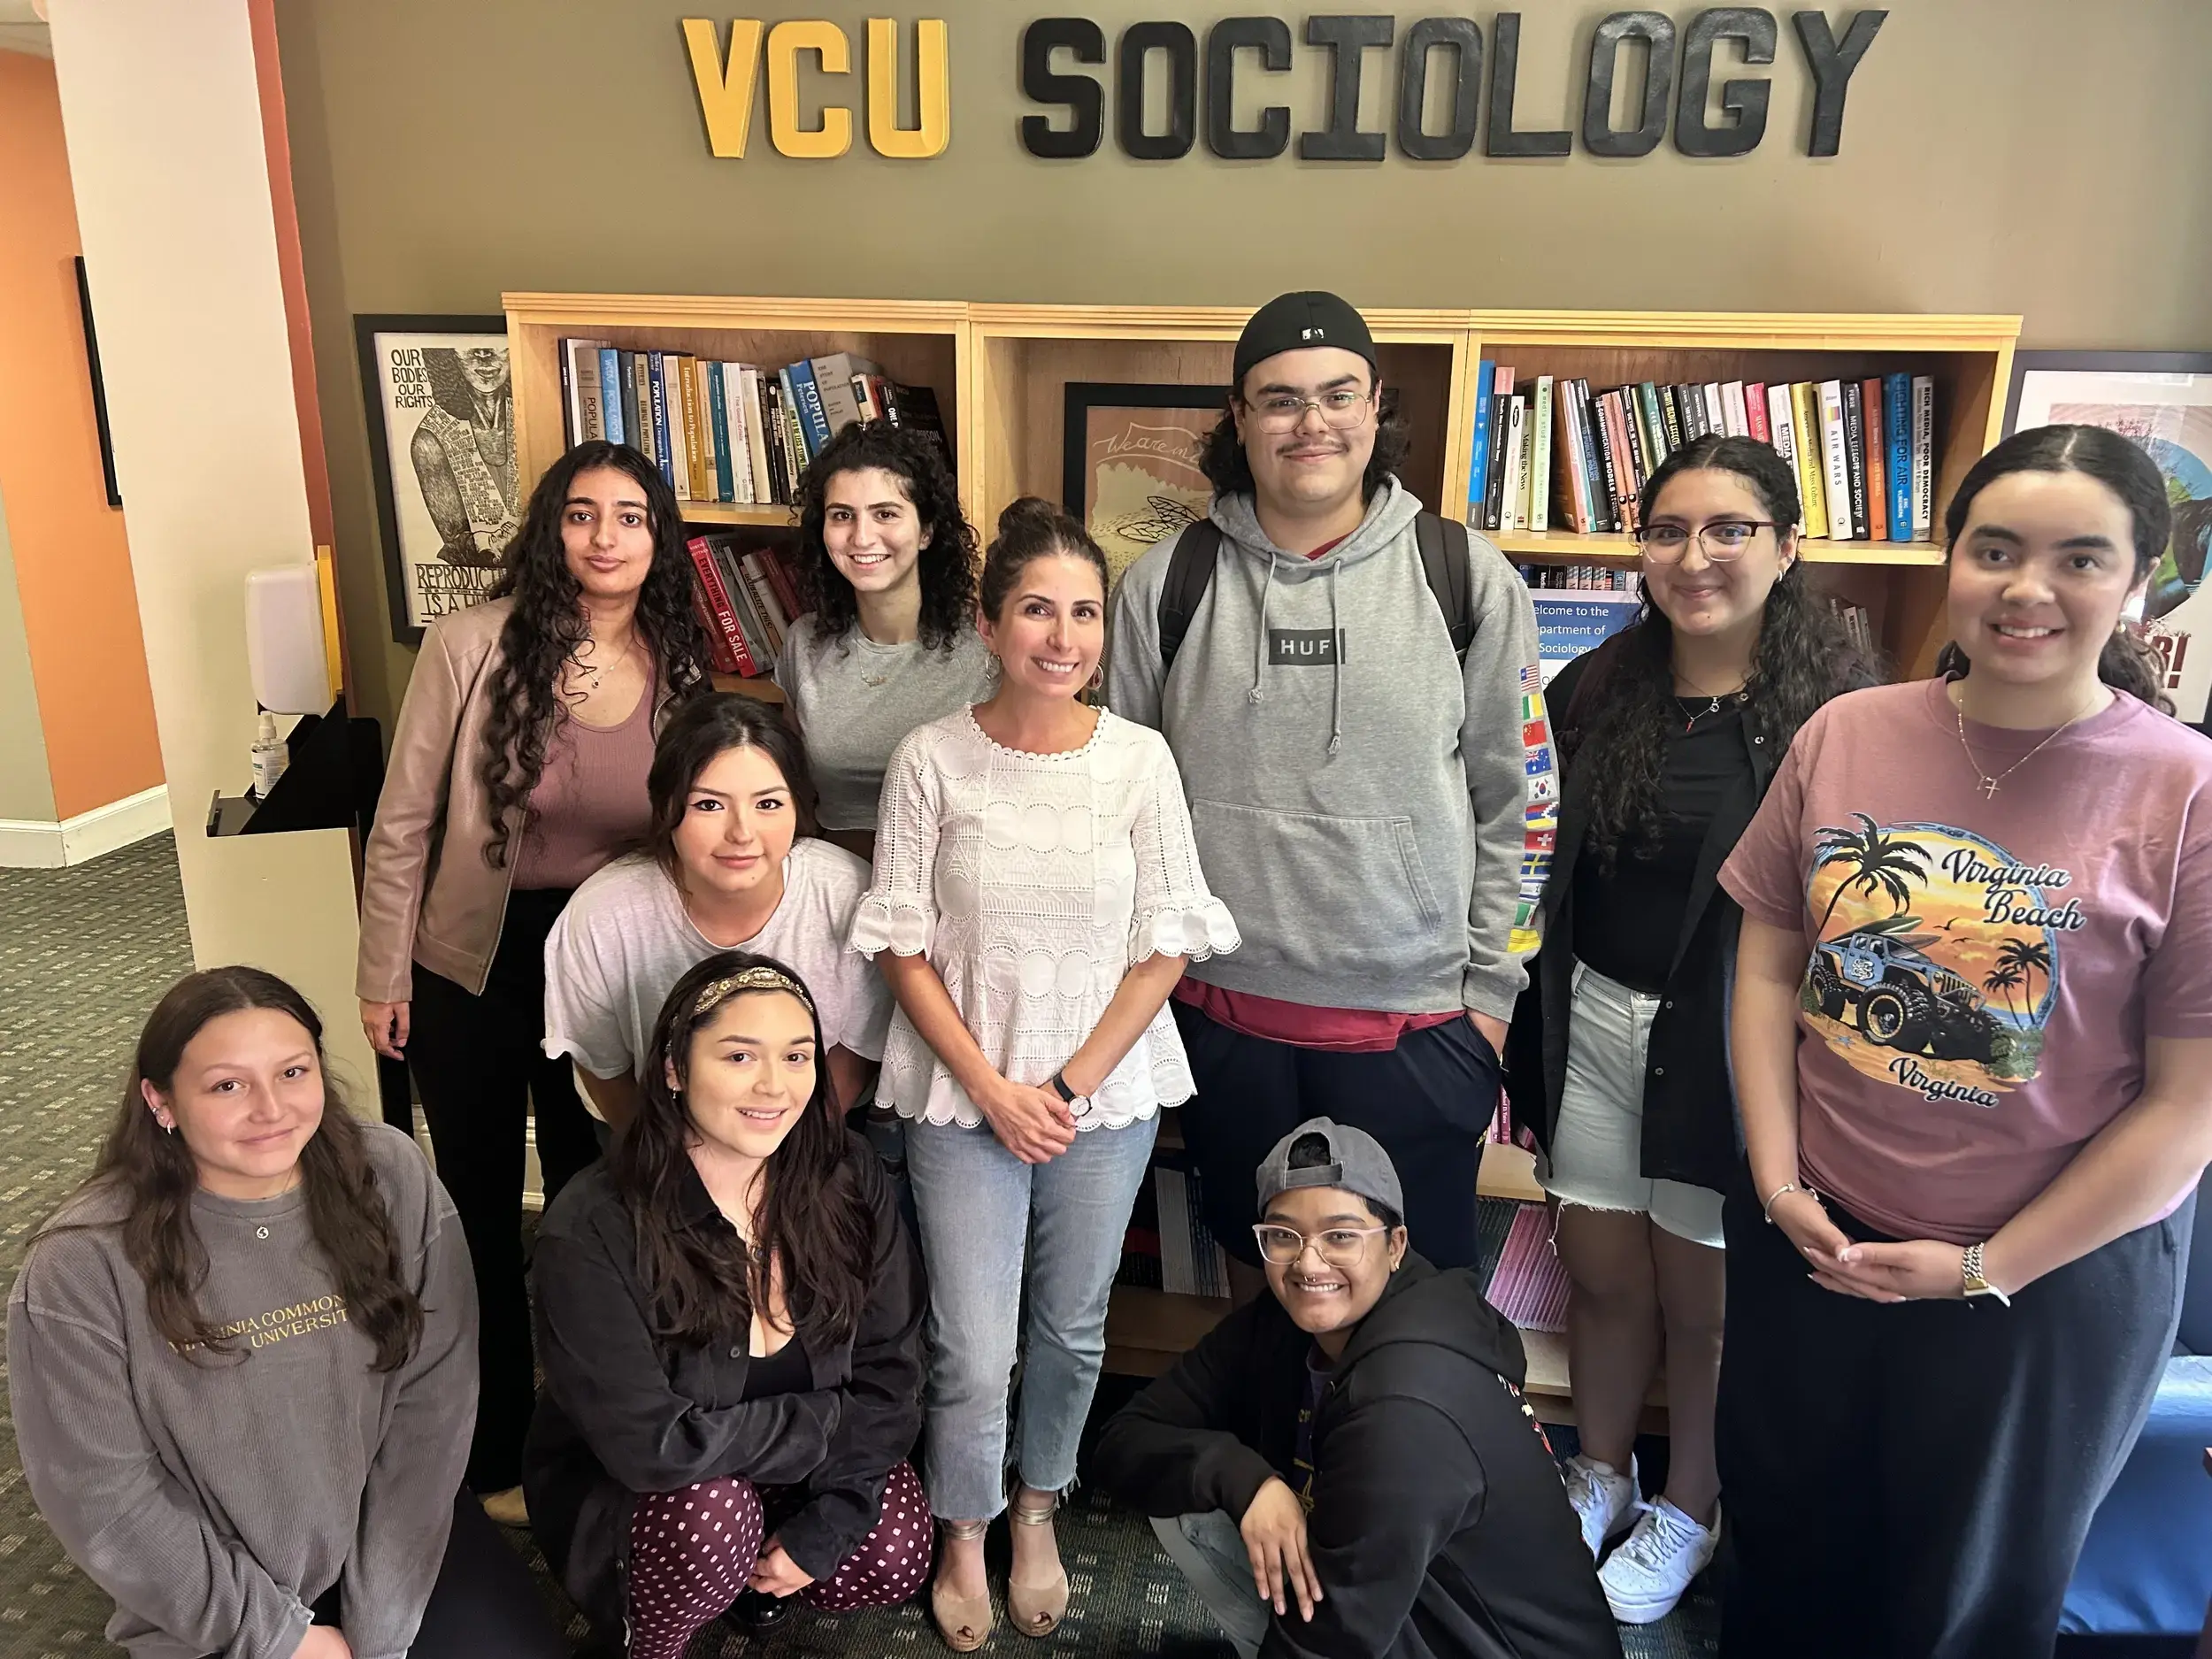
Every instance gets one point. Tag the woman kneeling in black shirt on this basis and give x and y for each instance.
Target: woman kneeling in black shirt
(729, 1316)
(1669, 733)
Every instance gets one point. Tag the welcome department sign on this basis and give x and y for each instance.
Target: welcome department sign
(1058, 55)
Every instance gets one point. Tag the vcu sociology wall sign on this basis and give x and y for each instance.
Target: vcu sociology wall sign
(1676, 59)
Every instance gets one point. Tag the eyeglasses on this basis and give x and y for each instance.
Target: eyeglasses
(1663, 543)
(1340, 408)
(1340, 1246)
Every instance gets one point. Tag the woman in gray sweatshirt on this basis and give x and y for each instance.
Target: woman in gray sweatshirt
(242, 1362)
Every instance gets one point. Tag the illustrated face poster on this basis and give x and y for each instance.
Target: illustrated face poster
(1141, 481)
(1938, 959)
(2170, 417)
(446, 401)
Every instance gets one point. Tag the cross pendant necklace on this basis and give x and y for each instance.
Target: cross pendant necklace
(1988, 784)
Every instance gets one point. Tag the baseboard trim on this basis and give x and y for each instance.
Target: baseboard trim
(30, 844)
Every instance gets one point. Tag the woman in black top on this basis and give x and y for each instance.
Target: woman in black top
(729, 1316)
(1668, 734)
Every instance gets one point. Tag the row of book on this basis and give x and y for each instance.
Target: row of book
(1858, 627)
(731, 433)
(1597, 579)
(746, 598)
(1556, 453)
(1168, 1245)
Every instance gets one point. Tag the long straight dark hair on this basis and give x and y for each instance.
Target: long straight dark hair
(154, 1171)
(2125, 663)
(1624, 708)
(700, 1282)
(547, 626)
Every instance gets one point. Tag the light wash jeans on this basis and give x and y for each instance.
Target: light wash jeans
(1210, 1551)
(984, 1214)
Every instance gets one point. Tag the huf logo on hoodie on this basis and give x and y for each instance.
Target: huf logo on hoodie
(1304, 648)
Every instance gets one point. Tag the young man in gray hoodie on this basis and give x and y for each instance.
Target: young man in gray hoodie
(1373, 805)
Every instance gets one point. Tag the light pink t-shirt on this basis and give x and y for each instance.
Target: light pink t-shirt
(1985, 969)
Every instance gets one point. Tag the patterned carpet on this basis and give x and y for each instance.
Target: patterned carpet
(84, 954)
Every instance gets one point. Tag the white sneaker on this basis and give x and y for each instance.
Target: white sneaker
(1604, 1500)
(1646, 1577)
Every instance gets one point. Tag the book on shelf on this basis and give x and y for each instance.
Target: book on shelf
(1757, 414)
(1857, 626)
(1192, 1261)
(1836, 462)
(1579, 607)
(1735, 418)
(1877, 462)
(1812, 465)
(1781, 425)
(581, 396)
(746, 597)
(1652, 427)
(1493, 500)
(1897, 432)
(1854, 457)
(1924, 457)
(1478, 460)
(727, 647)
(1540, 455)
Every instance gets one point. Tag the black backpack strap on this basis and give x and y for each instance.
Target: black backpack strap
(1190, 571)
(1446, 560)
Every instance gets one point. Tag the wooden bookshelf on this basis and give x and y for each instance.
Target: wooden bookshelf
(1618, 549)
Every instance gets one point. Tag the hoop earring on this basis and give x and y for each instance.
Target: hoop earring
(1098, 677)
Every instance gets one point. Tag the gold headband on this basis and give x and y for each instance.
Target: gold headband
(720, 991)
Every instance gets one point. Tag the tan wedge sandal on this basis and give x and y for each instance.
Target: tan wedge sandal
(1036, 1609)
(964, 1621)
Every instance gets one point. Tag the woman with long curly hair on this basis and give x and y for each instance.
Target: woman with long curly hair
(888, 562)
(730, 1310)
(1669, 733)
(241, 1361)
(517, 768)
(1972, 1042)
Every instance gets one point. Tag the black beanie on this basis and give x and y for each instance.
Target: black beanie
(1292, 322)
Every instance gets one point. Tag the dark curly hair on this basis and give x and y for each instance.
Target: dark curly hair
(699, 1281)
(948, 561)
(1229, 469)
(155, 1176)
(1624, 708)
(2126, 662)
(547, 626)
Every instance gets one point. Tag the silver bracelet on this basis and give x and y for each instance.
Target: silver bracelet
(1775, 1197)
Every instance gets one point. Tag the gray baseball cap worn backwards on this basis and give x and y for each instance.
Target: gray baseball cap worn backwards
(1355, 1162)
(1299, 322)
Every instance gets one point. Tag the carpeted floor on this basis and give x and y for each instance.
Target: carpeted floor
(84, 952)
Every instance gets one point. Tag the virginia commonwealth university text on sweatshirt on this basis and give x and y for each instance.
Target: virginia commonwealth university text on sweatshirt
(216, 1501)
(1364, 811)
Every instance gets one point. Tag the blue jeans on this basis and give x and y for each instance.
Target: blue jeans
(984, 1214)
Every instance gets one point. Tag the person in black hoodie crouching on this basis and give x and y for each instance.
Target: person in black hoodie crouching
(1348, 1467)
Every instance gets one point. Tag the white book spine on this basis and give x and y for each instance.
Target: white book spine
(679, 419)
(1578, 459)
(1922, 457)
(1735, 417)
(1511, 514)
(1539, 458)
(1779, 423)
(733, 423)
(1837, 459)
(1716, 407)
(756, 434)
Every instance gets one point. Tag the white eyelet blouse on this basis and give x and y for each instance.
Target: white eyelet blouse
(1033, 883)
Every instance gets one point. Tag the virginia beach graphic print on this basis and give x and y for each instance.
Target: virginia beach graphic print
(1937, 956)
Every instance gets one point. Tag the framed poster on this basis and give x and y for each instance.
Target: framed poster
(2163, 400)
(442, 450)
(1130, 462)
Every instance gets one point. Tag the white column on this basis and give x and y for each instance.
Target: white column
(160, 104)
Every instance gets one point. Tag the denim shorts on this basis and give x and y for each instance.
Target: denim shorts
(1597, 1146)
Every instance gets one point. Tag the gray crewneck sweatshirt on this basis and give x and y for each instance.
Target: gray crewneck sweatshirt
(1360, 799)
(216, 1501)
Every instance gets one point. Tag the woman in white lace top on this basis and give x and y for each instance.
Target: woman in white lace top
(1036, 896)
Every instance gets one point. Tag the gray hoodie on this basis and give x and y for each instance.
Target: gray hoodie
(215, 1502)
(1369, 815)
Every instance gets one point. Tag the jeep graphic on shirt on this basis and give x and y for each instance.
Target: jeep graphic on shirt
(1937, 956)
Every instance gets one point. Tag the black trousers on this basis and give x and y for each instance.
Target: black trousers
(483, 1606)
(1913, 1481)
(1429, 1100)
(479, 1071)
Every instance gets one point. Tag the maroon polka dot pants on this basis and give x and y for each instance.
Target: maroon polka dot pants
(691, 1552)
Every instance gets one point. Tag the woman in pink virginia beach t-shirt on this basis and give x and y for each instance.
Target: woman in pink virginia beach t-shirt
(1972, 1046)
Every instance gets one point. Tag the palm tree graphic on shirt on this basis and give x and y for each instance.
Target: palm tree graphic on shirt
(1880, 862)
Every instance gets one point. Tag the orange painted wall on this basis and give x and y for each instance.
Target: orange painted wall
(73, 563)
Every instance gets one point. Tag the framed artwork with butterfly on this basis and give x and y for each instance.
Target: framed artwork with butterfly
(1131, 461)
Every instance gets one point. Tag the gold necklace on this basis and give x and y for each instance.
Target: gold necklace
(1988, 785)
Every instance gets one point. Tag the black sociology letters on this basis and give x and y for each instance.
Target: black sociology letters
(1676, 59)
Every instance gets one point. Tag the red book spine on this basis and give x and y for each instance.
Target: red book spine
(1624, 490)
(718, 606)
(1877, 461)
(1755, 412)
(780, 579)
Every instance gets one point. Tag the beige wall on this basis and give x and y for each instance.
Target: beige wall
(2032, 156)
(173, 198)
(26, 786)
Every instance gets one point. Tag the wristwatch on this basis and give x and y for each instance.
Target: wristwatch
(1971, 1277)
(1077, 1104)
